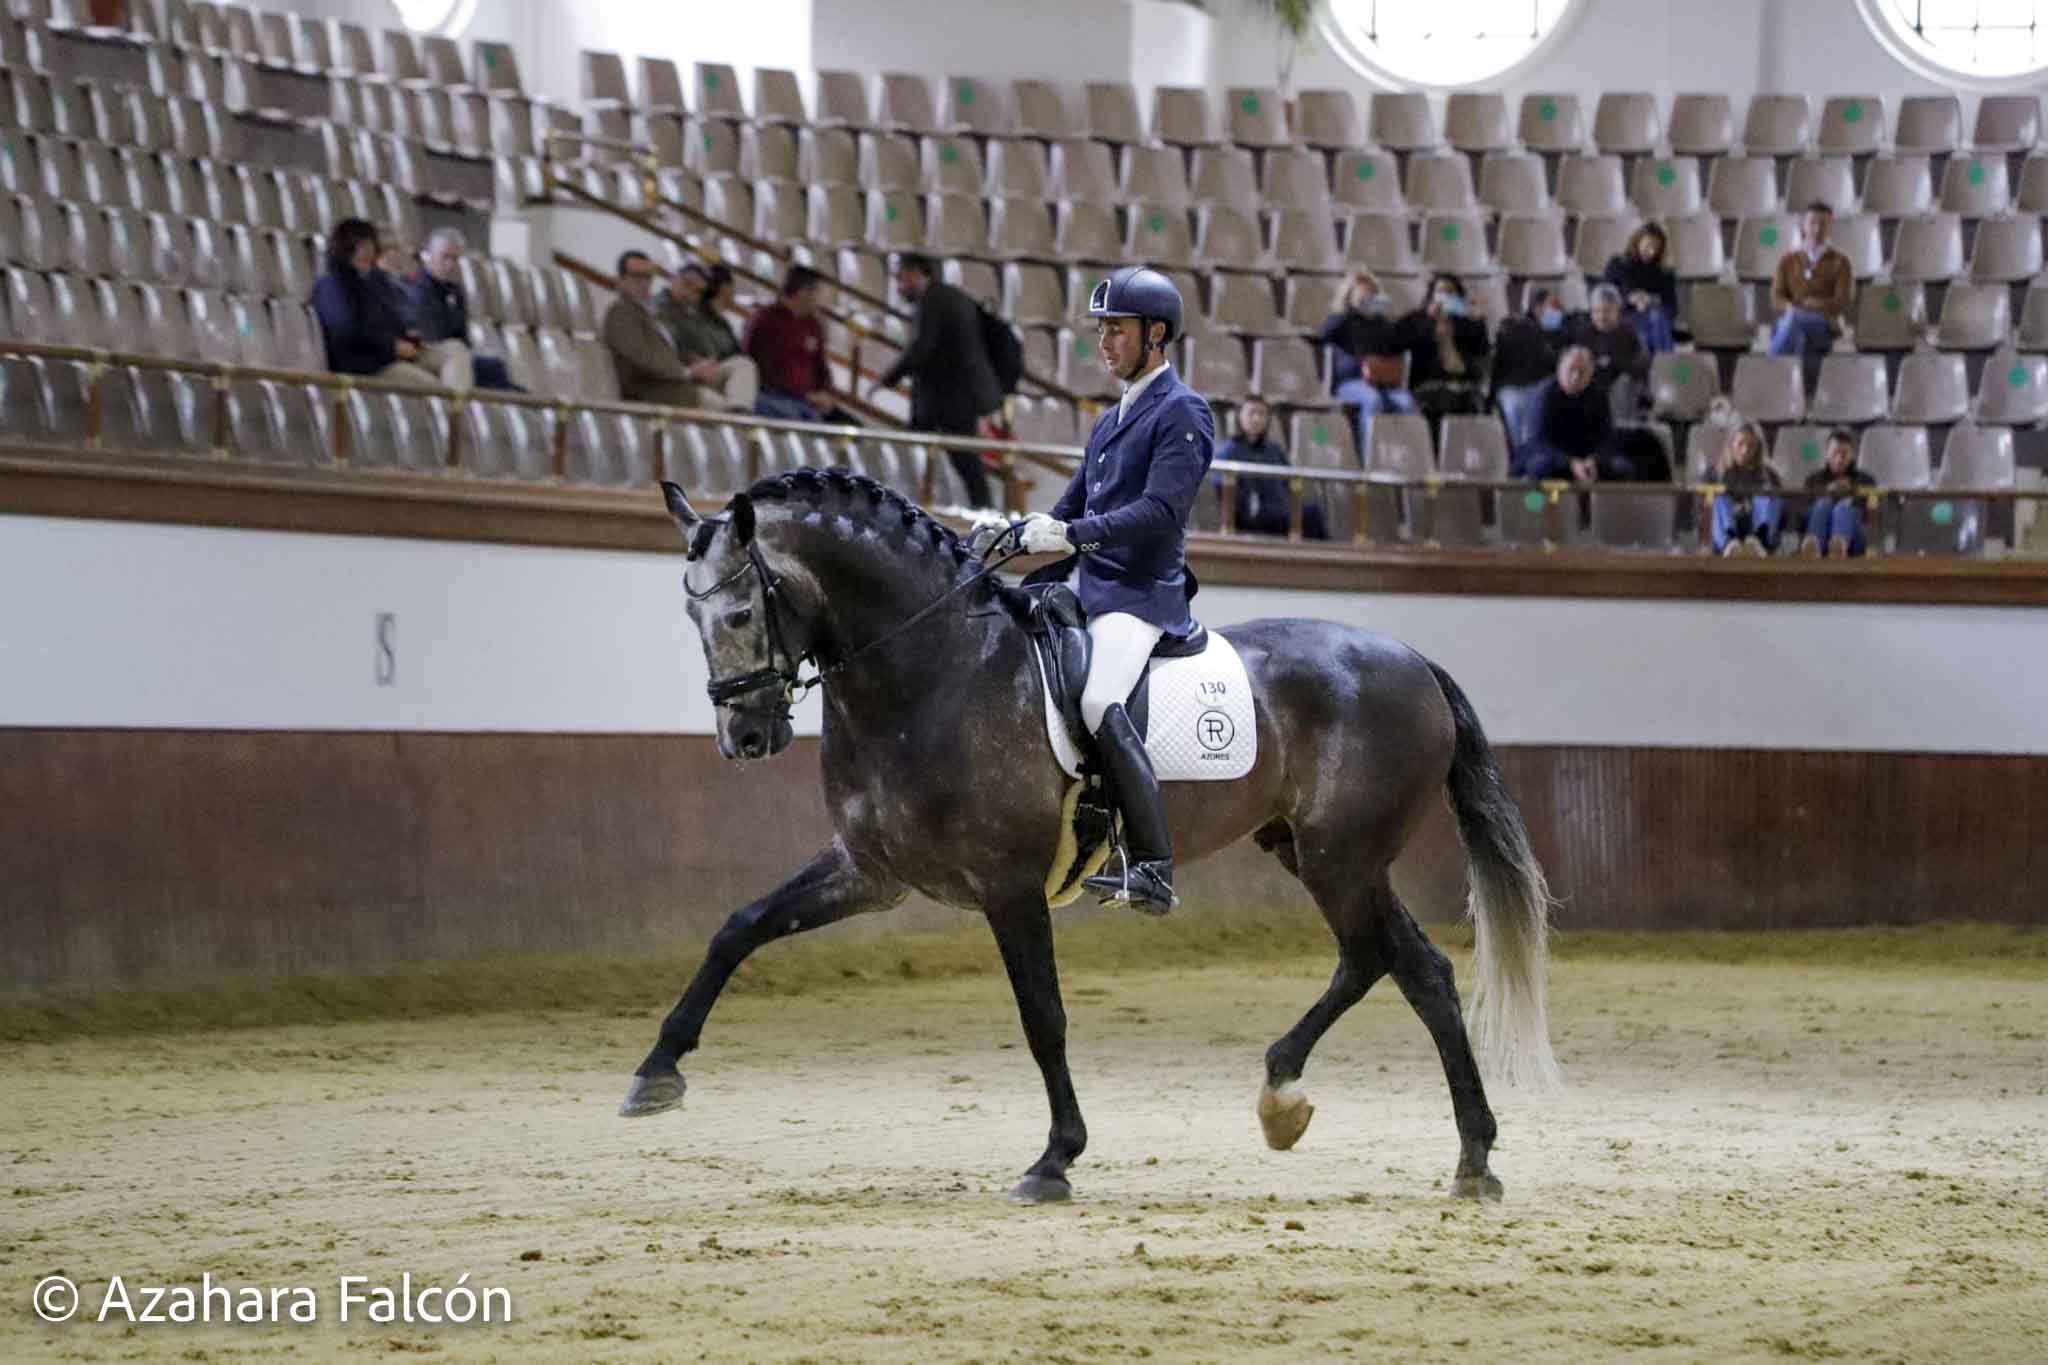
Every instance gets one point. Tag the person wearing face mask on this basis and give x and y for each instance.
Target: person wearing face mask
(1448, 351)
(1524, 355)
(1648, 287)
(1122, 523)
(1367, 348)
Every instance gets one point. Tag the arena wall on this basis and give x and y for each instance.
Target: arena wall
(215, 758)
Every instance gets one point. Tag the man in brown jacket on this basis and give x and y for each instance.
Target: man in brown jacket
(649, 369)
(1810, 292)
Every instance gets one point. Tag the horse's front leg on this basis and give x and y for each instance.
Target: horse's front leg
(831, 887)
(1024, 933)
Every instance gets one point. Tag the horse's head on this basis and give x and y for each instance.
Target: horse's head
(743, 617)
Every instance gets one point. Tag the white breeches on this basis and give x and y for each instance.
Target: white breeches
(1122, 645)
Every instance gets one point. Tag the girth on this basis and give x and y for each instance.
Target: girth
(1058, 627)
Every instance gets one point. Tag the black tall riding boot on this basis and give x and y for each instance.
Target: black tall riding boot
(1146, 880)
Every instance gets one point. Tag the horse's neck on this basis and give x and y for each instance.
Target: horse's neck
(867, 585)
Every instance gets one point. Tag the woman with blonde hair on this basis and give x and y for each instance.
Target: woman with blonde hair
(1367, 346)
(1748, 509)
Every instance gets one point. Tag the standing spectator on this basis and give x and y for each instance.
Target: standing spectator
(787, 342)
(954, 387)
(1649, 287)
(360, 319)
(1263, 505)
(1811, 289)
(1448, 349)
(1621, 363)
(1524, 357)
(1747, 512)
(1574, 437)
(1367, 348)
(438, 313)
(693, 308)
(1835, 524)
(649, 369)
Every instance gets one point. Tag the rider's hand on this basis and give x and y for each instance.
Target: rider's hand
(1042, 535)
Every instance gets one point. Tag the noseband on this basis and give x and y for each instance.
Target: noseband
(725, 691)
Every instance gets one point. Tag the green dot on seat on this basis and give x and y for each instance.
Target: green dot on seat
(1667, 174)
(1547, 111)
(1852, 112)
(711, 80)
(1366, 170)
(707, 139)
(2017, 376)
(1157, 222)
(1450, 232)
(1533, 500)
(1250, 104)
(1809, 451)
(1321, 435)
(949, 154)
(490, 57)
(1943, 513)
(889, 213)
(1893, 303)
(1682, 373)
(1769, 235)
(963, 94)
(1976, 175)
(1081, 349)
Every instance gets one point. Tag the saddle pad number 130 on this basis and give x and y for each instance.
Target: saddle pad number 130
(1200, 727)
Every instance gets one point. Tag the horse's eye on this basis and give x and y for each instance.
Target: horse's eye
(736, 619)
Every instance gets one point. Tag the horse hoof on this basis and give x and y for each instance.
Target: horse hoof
(1042, 1189)
(1284, 1114)
(656, 1094)
(1476, 1187)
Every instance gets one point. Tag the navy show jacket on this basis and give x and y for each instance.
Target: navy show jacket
(1127, 507)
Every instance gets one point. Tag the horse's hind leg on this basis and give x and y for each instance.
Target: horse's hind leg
(829, 888)
(1424, 975)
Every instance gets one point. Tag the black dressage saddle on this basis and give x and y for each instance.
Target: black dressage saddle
(1058, 627)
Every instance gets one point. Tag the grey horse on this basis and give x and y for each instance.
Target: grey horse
(939, 779)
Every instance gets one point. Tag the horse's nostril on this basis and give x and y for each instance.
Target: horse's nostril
(751, 746)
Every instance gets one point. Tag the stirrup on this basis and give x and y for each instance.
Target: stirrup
(1140, 891)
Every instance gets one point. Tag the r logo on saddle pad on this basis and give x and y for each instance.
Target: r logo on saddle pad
(1195, 711)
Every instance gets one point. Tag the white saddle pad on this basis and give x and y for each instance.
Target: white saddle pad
(1199, 725)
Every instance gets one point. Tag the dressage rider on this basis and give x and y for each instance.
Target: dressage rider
(1123, 521)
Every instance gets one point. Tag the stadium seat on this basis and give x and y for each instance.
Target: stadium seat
(1928, 125)
(769, 151)
(2007, 123)
(1216, 366)
(1682, 385)
(950, 165)
(1761, 242)
(1929, 247)
(1455, 244)
(1088, 232)
(1366, 178)
(1255, 117)
(1159, 234)
(905, 103)
(1974, 317)
(1244, 304)
(1303, 241)
(1851, 125)
(1551, 122)
(1082, 170)
(1398, 449)
(1626, 123)
(1224, 175)
(1590, 186)
(1473, 448)
(1896, 456)
(1769, 388)
(1080, 366)
(1898, 186)
(1890, 317)
(1972, 458)
(1113, 112)
(1328, 118)
(778, 99)
(2032, 334)
(1665, 187)
(2007, 249)
(1851, 389)
(1599, 240)
(1440, 182)
(1513, 183)
(972, 105)
(1286, 371)
(1181, 116)
(1796, 452)
(1296, 180)
(1777, 125)
(1932, 387)
(1644, 522)
(1380, 242)
(1402, 121)
(1743, 186)
(1039, 110)
(1476, 122)
(1323, 441)
(1695, 246)
(1702, 125)
(1157, 176)
(1533, 246)
(889, 162)
(843, 101)
(2013, 390)
(1020, 229)
(1975, 186)
(1722, 317)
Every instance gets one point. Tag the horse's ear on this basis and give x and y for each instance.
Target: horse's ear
(679, 507)
(741, 511)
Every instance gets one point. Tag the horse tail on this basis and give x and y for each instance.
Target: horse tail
(1509, 906)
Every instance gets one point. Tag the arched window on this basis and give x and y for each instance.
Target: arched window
(1982, 44)
(1443, 44)
(444, 18)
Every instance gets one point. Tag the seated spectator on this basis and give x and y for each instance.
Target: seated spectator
(439, 314)
(1367, 350)
(953, 382)
(649, 369)
(1649, 287)
(1574, 437)
(1448, 349)
(1621, 363)
(1811, 290)
(692, 308)
(1524, 356)
(787, 342)
(1747, 513)
(360, 318)
(1263, 505)
(1834, 525)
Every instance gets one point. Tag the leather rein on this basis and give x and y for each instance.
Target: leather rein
(789, 680)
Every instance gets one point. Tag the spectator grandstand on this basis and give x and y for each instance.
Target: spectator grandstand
(167, 190)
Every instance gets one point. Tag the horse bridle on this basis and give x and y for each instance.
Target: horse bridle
(793, 685)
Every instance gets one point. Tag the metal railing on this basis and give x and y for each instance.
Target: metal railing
(1368, 509)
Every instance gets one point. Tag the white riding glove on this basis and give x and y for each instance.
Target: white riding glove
(1043, 536)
